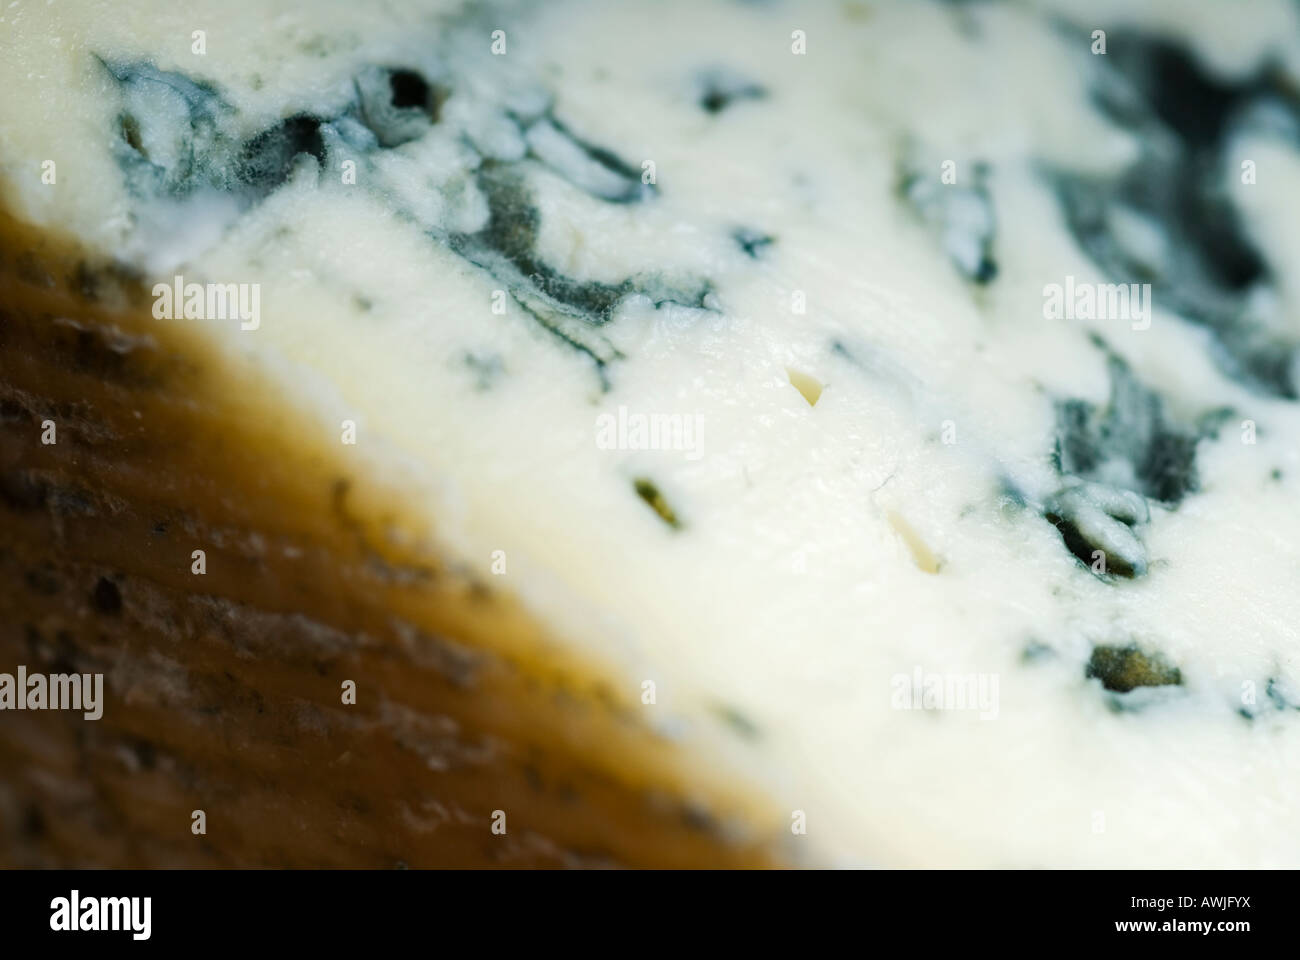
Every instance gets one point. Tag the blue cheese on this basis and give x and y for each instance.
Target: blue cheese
(822, 236)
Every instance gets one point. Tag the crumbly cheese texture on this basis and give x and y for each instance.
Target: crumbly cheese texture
(498, 238)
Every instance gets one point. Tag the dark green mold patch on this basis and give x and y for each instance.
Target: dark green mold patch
(131, 134)
(571, 310)
(960, 215)
(511, 235)
(1280, 696)
(753, 242)
(172, 133)
(648, 492)
(397, 104)
(1084, 549)
(269, 157)
(1098, 522)
(1207, 268)
(176, 135)
(1121, 669)
(720, 89)
(1129, 442)
(511, 232)
(594, 169)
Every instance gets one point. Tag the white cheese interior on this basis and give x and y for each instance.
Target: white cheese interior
(821, 551)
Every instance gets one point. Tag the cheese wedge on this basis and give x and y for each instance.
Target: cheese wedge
(666, 434)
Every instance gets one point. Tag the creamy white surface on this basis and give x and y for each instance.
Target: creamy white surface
(718, 612)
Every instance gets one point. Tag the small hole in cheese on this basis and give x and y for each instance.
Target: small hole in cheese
(809, 386)
(922, 555)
